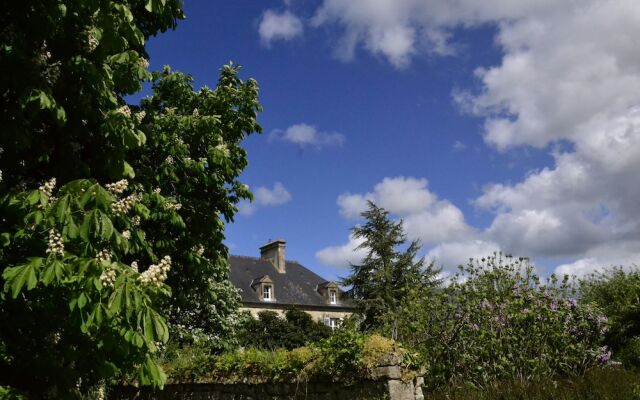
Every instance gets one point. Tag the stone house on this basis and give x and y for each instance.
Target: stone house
(275, 284)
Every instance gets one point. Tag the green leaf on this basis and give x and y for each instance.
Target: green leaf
(17, 277)
(61, 209)
(128, 171)
(132, 139)
(98, 313)
(82, 300)
(115, 301)
(162, 330)
(34, 197)
(71, 229)
(106, 227)
(61, 115)
(42, 99)
(85, 228)
(148, 327)
(54, 270)
(96, 224)
(103, 198)
(34, 217)
(5, 239)
(150, 373)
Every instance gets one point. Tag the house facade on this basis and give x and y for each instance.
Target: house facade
(272, 283)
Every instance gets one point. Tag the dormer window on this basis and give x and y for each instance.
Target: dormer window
(264, 288)
(267, 292)
(329, 291)
(333, 296)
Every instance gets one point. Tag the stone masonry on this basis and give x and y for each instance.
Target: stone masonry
(386, 383)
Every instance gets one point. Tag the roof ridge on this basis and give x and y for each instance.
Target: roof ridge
(249, 257)
(258, 259)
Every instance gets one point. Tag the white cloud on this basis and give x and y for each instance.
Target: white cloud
(569, 72)
(615, 254)
(442, 222)
(450, 255)
(458, 146)
(266, 197)
(425, 217)
(580, 64)
(283, 26)
(341, 256)
(272, 197)
(399, 195)
(586, 200)
(308, 135)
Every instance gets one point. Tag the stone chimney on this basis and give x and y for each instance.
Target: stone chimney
(274, 253)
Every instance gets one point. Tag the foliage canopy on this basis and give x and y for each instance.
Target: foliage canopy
(271, 332)
(103, 205)
(617, 292)
(383, 280)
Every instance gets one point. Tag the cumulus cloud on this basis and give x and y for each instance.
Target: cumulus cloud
(450, 255)
(399, 195)
(279, 26)
(400, 29)
(266, 197)
(569, 72)
(588, 199)
(613, 254)
(308, 135)
(343, 255)
(426, 218)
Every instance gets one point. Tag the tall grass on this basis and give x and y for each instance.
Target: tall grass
(595, 384)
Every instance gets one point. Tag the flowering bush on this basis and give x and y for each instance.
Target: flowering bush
(617, 292)
(71, 282)
(143, 196)
(497, 320)
(193, 190)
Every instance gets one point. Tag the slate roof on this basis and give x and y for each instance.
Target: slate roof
(295, 287)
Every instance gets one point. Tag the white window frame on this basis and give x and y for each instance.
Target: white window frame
(267, 289)
(333, 296)
(334, 323)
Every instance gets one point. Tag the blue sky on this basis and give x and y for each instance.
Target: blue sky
(484, 125)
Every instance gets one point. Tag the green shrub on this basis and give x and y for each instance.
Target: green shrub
(10, 394)
(596, 384)
(345, 356)
(498, 321)
(271, 332)
(617, 292)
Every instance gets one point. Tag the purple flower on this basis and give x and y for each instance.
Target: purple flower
(546, 293)
(553, 306)
(475, 327)
(573, 303)
(605, 356)
(486, 304)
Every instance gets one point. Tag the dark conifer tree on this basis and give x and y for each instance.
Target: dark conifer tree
(381, 282)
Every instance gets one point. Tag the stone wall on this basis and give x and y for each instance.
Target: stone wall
(386, 383)
(392, 389)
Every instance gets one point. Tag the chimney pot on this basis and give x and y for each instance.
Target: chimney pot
(274, 253)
